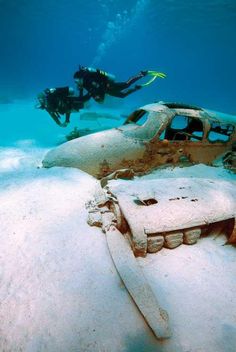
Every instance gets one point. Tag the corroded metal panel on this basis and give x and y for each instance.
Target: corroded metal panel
(142, 147)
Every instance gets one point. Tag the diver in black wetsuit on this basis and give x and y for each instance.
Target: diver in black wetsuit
(99, 83)
(60, 101)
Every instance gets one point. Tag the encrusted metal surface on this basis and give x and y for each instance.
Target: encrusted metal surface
(153, 143)
(167, 212)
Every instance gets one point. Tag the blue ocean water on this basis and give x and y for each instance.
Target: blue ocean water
(48, 262)
(43, 42)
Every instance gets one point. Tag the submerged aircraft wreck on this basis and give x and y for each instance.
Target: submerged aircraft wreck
(152, 136)
(140, 217)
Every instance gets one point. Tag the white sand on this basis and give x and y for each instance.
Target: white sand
(60, 290)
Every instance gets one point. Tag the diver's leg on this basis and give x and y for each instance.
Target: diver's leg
(127, 84)
(135, 78)
(119, 94)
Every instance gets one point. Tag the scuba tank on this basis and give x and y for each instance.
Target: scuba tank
(103, 73)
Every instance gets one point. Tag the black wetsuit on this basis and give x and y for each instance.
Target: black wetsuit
(61, 100)
(58, 101)
(99, 83)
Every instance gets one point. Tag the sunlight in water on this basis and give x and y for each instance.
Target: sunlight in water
(116, 28)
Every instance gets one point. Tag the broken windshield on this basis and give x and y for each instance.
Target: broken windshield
(139, 117)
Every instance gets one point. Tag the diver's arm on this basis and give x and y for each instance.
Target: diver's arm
(56, 117)
(81, 90)
(85, 97)
(67, 118)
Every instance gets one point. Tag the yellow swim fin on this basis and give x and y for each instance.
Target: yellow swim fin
(154, 75)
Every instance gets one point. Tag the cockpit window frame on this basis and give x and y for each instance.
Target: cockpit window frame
(170, 121)
(136, 116)
(220, 123)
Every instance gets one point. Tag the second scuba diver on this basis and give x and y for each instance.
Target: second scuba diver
(60, 101)
(99, 83)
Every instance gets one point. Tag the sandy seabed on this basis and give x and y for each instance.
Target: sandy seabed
(60, 290)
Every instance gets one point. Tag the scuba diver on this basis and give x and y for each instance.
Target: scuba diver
(60, 101)
(99, 83)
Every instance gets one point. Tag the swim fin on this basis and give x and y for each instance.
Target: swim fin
(154, 75)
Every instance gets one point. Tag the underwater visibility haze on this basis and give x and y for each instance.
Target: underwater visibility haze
(43, 42)
(59, 288)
